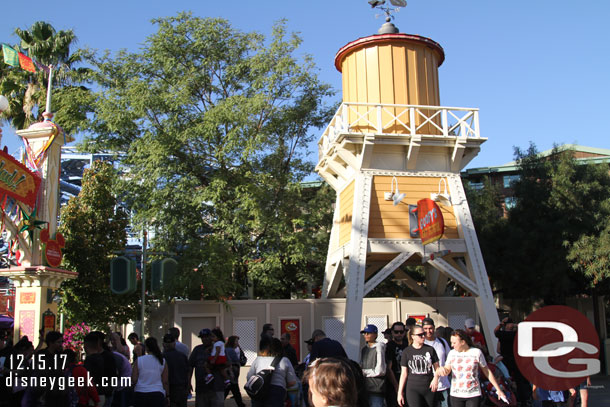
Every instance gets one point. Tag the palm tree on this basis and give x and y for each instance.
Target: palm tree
(27, 91)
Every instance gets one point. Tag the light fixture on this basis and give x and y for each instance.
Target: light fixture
(444, 197)
(395, 196)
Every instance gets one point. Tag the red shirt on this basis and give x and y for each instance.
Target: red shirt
(478, 338)
(85, 393)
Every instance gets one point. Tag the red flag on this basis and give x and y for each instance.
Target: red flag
(26, 62)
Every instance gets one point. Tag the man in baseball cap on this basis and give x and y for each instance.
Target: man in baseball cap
(372, 360)
(204, 332)
(477, 337)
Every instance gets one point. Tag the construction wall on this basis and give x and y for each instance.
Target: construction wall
(245, 318)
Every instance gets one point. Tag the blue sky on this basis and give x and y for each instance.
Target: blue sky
(538, 70)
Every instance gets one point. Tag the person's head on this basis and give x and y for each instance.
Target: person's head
(469, 326)
(309, 343)
(285, 339)
(169, 341)
(317, 334)
(206, 336)
(175, 332)
(268, 330)
(152, 348)
(429, 330)
(54, 341)
(92, 343)
(217, 335)
(398, 332)
(416, 336)
(370, 333)
(24, 347)
(387, 334)
(410, 322)
(270, 346)
(133, 338)
(509, 324)
(331, 383)
(70, 356)
(460, 340)
(232, 341)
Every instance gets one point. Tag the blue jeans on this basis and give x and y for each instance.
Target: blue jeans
(275, 398)
(445, 402)
(376, 400)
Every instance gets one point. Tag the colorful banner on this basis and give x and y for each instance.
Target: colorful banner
(292, 326)
(27, 298)
(17, 181)
(430, 221)
(10, 55)
(26, 62)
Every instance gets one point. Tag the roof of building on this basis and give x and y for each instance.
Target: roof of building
(598, 156)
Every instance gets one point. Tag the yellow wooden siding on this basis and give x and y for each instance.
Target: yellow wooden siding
(392, 222)
(400, 72)
(346, 208)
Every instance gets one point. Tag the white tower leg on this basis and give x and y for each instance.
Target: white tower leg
(357, 265)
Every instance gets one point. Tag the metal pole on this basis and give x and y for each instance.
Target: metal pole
(144, 244)
(48, 105)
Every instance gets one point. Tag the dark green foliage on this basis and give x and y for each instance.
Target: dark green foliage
(214, 123)
(552, 244)
(94, 229)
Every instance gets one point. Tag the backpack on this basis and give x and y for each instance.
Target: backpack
(258, 384)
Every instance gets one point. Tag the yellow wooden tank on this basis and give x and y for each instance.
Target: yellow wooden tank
(389, 69)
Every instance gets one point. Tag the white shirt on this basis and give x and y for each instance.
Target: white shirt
(465, 372)
(149, 375)
(443, 383)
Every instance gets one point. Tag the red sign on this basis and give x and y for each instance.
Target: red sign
(419, 319)
(293, 327)
(17, 181)
(52, 247)
(430, 221)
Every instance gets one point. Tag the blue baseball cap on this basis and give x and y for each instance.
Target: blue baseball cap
(369, 329)
(205, 332)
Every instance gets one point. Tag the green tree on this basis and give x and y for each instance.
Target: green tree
(214, 123)
(559, 202)
(94, 228)
(27, 91)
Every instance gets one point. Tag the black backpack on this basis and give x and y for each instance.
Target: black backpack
(258, 384)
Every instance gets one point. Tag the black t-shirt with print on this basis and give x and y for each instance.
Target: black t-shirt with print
(419, 363)
(393, 352)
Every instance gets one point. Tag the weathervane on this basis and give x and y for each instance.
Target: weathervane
(388, 27)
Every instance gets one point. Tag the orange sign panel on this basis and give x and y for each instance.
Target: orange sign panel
(430, 221)
(17, 181)
(27, 298)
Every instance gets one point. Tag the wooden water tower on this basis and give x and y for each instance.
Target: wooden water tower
(391, 136)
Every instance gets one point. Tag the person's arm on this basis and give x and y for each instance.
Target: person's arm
(434, 382)
(291, 377)
(135, 374)
(400, 398)
(390, 375)
(165, 380)
(492, 379)
(380, 368)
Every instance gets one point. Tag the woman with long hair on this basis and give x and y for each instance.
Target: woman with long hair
(464, 362)
(283, 375)
(150, 377)
(232, 350)
(418, 364)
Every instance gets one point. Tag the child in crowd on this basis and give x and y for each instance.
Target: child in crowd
(218, 357)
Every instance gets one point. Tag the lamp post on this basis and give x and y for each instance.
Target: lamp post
(144, 259)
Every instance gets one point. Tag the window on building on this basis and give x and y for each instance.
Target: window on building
(509, 179)
(510, 202)
(477, 186)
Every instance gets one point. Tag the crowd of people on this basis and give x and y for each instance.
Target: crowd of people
(417, 365)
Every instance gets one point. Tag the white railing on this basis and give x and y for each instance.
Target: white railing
(401, 120)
